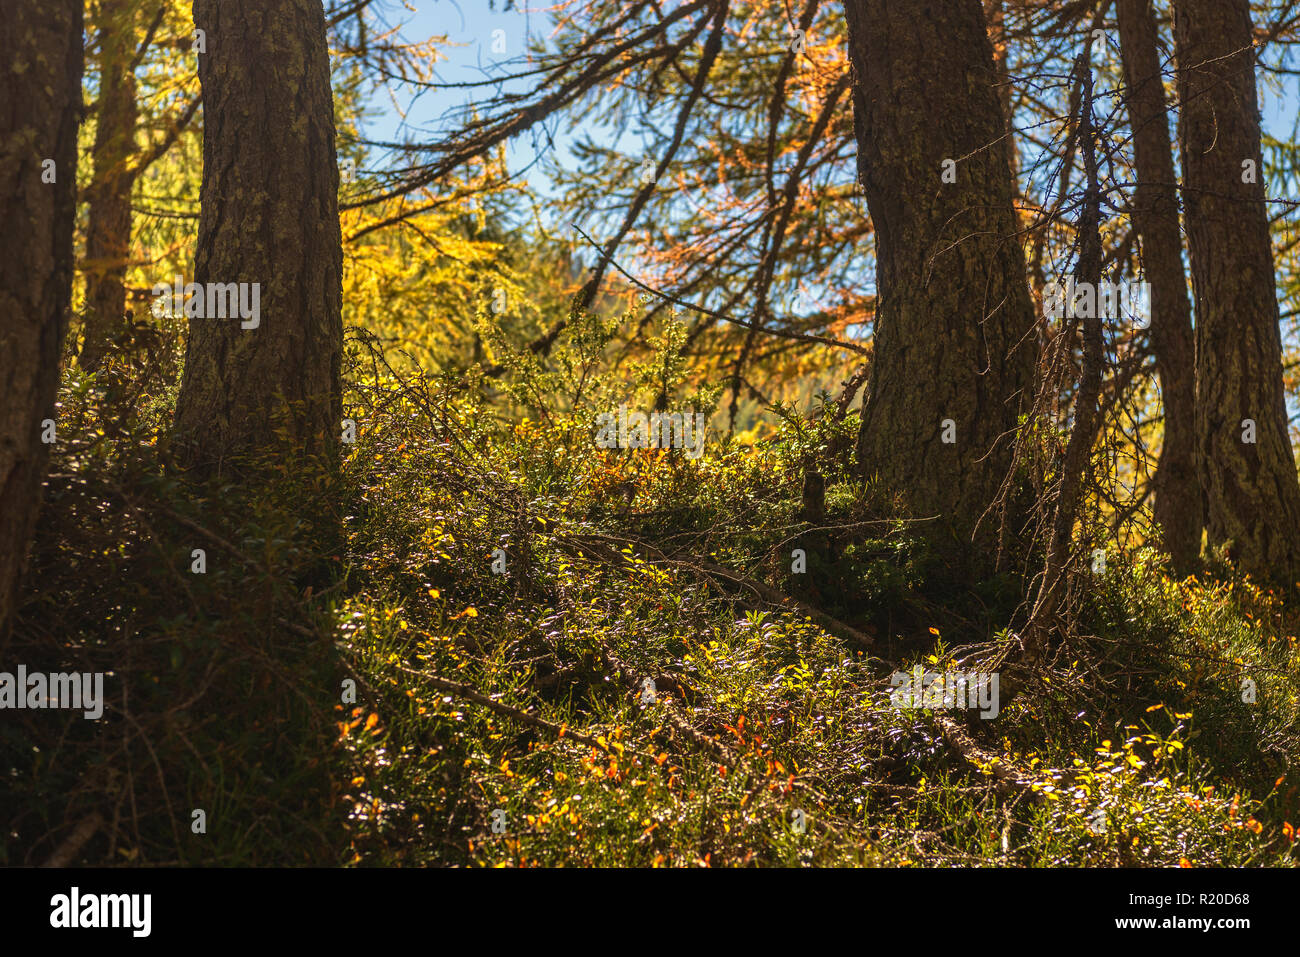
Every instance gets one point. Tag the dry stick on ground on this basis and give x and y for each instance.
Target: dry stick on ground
(1007, 780)
(68, 850)
(518, 714)
(775, 597)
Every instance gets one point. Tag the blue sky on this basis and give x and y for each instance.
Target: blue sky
(469, 27)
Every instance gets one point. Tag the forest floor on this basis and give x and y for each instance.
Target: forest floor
(516, 650)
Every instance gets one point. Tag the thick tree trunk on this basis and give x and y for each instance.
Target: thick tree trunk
(269, 216)
(1155, 216)
(1250, 487)
(954, 330)
(995, 15)
(40, 110)
(108, 229)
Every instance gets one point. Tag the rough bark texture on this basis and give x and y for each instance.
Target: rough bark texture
(269, 215)
(995, 15)
(1155, 216)
(40, 109)
(108, 229)
(1252, 496)
(954, 329)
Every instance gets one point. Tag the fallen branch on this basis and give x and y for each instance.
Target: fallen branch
(518, 714)
(71, 847)
(1007, 779)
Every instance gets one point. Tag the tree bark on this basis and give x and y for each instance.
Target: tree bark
(996, 17)
(40, 110)
(269, 215)
(954, 332)
(1155, 217)
(1251, 492)
(108, 229)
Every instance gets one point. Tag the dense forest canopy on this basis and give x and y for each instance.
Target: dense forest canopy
(652, 432)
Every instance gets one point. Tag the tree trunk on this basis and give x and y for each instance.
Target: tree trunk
(108, 229)
(1252, 496)
(1155, 217)
(954, 333)
(996, 17)
(40, 110)
(269, 216)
